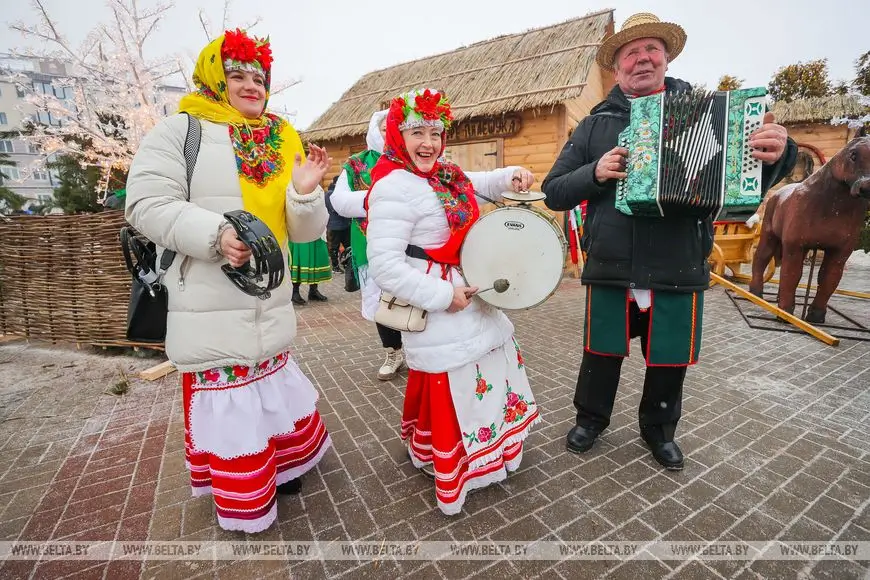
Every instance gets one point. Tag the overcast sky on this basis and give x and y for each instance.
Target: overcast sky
(329, 44)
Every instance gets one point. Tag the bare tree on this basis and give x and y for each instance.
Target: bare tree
(112, 94)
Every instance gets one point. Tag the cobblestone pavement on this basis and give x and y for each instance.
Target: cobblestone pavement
(775, 428)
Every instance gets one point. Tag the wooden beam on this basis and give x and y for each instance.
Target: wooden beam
(158, 371)
(852, 293)
(794, 320)
(9, 338)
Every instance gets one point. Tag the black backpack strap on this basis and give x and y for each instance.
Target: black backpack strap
(191, 147)
(126, 250)
(191, 152)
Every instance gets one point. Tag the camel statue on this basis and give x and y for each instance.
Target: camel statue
(825, 211)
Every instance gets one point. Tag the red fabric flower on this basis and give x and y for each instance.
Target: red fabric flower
(265, 364)
(510, 415)
(264, 56)
(522, 407)
(427, 105)
(240, 371)
(211, 376)
(445, 111)
(512, 399)
(238, 46)
(484, 434)
(481, 386)
(397, 109)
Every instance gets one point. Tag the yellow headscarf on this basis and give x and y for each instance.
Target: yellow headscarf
(265, 147)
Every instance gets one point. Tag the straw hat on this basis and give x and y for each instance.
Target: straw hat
(642, 25)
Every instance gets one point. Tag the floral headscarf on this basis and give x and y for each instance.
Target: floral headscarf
(264, 147)
(454, 190)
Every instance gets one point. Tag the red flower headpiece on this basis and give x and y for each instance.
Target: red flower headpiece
(418, 108)
(240, 49)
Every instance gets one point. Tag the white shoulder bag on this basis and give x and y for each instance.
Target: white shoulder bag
(399, 315)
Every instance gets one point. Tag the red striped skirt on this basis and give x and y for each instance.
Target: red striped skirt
(240, 467)
(431, 427)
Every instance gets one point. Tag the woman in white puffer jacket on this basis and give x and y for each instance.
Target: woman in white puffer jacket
(250, 417)
(468, 405)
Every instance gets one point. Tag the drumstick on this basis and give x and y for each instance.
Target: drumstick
(500, 285)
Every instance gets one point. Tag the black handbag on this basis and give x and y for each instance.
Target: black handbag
(149, 299)
(146, 312)
(345, 259)
(146, 315)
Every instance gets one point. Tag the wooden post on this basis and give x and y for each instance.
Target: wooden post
(794, 320)
(852, 293)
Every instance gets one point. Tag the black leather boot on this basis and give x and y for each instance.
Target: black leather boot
(666, 453)
(297, 297)
(580, 439)
(815, 315)
(291, 487)
(314, 294)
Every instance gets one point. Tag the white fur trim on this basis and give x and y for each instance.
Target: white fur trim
(316, 195)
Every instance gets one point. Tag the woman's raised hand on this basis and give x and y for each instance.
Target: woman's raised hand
(307, 176)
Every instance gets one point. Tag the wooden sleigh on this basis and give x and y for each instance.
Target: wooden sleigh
(734, 244)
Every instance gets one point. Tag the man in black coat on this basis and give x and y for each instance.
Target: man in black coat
(644, 276)
(337, 229)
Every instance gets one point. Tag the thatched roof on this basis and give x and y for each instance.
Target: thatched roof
(818, 109)
(536, 68)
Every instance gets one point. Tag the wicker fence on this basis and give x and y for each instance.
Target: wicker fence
(63, 279)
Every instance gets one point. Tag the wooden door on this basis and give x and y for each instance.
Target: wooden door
(483, 156)
(474, 156)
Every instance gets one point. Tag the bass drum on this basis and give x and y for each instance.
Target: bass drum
(520, 244)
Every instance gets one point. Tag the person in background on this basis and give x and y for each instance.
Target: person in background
(309, 264)
(337, 229)
(348, 199)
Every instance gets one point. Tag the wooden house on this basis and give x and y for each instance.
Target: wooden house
(809, 123)
(516, 98)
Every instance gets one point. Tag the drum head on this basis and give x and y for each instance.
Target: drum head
(528, 196)
(521, 245)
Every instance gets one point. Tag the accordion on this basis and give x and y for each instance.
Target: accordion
(689, 154)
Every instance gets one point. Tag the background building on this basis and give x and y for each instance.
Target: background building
(20, 75)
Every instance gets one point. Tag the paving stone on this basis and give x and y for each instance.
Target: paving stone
(774, 429)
